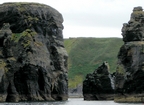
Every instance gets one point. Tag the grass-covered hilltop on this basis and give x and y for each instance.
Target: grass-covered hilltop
(86, 54)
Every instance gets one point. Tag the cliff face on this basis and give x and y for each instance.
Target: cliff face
(99, 84)
(33, 60)
(130, 69)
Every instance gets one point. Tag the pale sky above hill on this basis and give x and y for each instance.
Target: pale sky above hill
(91, 18)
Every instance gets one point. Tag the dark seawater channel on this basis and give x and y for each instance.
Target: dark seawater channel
(72, 101)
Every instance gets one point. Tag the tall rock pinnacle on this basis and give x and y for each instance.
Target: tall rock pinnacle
(130, 70)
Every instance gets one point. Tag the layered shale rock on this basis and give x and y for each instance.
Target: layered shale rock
(130, 70)
(33, 60)
(99, 85)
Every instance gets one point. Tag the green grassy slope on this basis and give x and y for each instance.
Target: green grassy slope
(86, 54)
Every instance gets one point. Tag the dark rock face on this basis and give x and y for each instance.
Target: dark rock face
(98, 85)
(33, 60)
(133, 30)
(130, 70)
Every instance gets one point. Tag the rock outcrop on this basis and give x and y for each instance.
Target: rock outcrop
(130, 70)
(133, 30)
(33, 60)
(99, 84)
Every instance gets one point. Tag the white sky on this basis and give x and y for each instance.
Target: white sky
(91, 18)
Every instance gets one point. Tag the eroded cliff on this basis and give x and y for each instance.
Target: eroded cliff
(33, 60)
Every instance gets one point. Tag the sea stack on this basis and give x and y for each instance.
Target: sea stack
(33, 60)
(99, 85)
(129, 82)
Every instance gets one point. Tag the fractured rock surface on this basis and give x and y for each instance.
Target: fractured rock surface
(33, 60)
(133, 30)
(99, 84)
(130, 70)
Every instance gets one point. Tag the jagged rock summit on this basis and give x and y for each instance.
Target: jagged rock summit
(33, 60)
(99, 84)
(133, 30)
(129, 82)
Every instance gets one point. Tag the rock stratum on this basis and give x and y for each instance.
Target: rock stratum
(33, 60)
(129, 84)
(99, 85)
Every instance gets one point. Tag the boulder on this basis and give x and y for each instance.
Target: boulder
(99, 84)
(129, 82)
(33, 60)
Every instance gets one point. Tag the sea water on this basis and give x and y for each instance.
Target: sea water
(72, 101)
